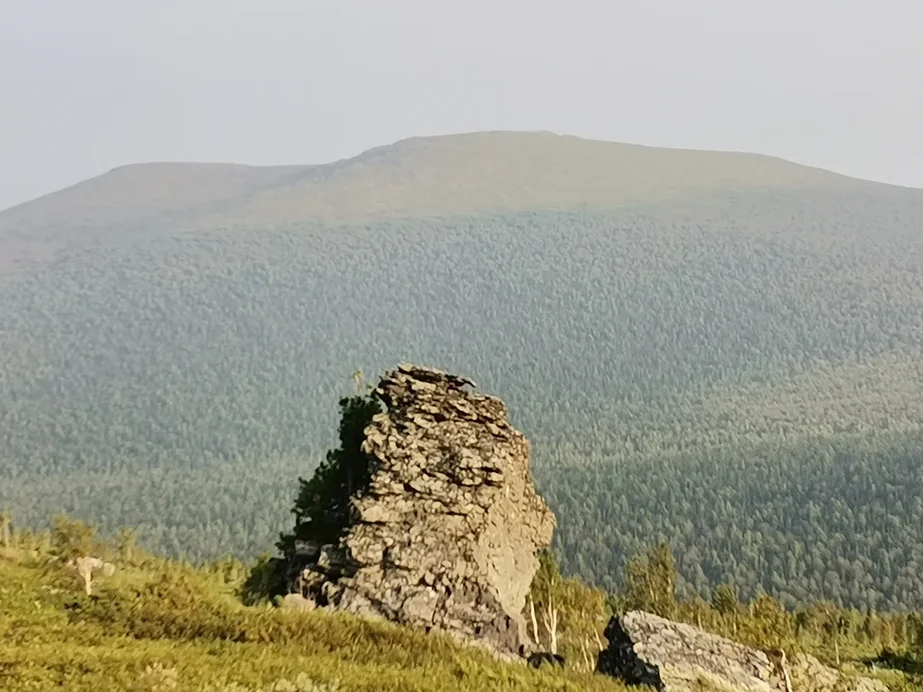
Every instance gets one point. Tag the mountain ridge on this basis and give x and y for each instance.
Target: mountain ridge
(591, 172)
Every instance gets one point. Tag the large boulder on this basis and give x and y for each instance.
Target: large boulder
(674, 657)
(447, 534)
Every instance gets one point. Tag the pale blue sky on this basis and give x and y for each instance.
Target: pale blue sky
(90, 85)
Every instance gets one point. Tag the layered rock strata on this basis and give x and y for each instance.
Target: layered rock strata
(447, 533)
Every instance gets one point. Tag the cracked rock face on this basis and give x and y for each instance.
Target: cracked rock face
(447, 534)
(675, 657)
(649, 650)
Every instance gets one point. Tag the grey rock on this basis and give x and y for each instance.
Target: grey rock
(447, 535)
(674, 657)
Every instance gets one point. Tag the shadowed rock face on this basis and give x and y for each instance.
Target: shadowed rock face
(447, 533)
(674, 657)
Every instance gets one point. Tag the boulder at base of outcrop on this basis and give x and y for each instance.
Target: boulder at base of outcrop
(447, 533)
(674, 657)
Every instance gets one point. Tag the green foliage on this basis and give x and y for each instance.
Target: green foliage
(795, 522)
(548, 575)
(769, 624)
(323, 504)
(126, 545)
(724, 601)
(580, 614)
(650, 583)
(847, 639)
(71, 538)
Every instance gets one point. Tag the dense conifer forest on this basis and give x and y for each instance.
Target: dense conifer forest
(740, 378)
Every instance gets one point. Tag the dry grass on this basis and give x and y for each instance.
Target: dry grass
(505, 171)
(171, 628)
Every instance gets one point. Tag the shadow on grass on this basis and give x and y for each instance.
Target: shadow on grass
(904, 661)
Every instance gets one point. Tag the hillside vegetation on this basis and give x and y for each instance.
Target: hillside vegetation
(160, 626)
(156, 625)
(720, 351)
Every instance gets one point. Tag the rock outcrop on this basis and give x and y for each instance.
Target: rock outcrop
(447, 534)
(648, 650)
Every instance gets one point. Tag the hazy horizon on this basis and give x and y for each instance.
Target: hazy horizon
(93, 87)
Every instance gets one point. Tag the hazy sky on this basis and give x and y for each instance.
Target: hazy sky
(92, 84)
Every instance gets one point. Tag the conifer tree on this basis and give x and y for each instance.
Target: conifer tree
(323, 504)
(651, 582)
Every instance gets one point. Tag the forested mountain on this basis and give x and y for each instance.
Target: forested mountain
(718, 350)
(483, 172)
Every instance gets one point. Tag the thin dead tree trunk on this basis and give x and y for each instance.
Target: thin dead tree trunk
(785, 675)
(538, 643)
(585, 650)
(550, 618)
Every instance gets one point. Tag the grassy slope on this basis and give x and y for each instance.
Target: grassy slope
(492, 172)
(158, 625)
(483, 172)
(164, 627)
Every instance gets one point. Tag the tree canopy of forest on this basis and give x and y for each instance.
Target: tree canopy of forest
(740, 379)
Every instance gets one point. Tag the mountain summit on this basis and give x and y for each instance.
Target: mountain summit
(421, 176)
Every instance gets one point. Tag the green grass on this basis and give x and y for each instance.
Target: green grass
(163, 626)
(158, 625)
